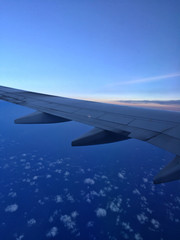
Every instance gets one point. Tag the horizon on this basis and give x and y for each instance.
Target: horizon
(170, 105)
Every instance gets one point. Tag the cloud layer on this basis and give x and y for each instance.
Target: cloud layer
(148, 79)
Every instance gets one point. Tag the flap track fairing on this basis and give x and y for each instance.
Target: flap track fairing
(169, 173)
(99, 136)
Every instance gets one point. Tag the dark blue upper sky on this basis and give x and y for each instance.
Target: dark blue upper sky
(101, 49)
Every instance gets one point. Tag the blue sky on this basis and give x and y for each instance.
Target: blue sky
(92, 48)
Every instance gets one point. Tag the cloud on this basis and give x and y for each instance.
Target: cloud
(101, 212)
(74, 214)
(70, 198)
(114, 207)
(155, 223)
(116, 204)
(137, 236)
(161, 102)
(121, 174)
(68, 222)
(144, 80)
(58, 199)
(89, 181)
(52, 233)
(142, 218)
(172, 105)
(12, 194)
(20, 237)
(127, 227)
(11, 208)
(31, 222)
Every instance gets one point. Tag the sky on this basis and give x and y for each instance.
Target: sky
(100, 49)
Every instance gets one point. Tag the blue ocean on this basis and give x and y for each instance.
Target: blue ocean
(50, 190)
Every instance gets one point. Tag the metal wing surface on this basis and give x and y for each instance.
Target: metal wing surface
(111, 122)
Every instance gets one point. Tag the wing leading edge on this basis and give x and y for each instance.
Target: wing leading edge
(111, 123)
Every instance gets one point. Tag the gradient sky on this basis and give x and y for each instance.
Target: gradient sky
(108, 49)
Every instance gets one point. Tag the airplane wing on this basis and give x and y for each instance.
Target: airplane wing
(111, 123)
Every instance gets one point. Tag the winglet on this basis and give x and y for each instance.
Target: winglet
(169, 173)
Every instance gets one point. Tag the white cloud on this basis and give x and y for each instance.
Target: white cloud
(12, 194)
(101, 212)
(68, 222)
(116, 204)
(114, 207)
(137, 236)
(70, 198)
(144, 80)
(35, 177)
(88, 198)
(136, 191)
(89, 181)
(66, 174)
(155, 223)
(94, 193)
(145, 180)
(142, 218)
(11, 208)
(177, 199)
(52, 232)
(121, 175)
(48, 176)
(149, 210)
(28, 166)
(102, 193)
(127, 227)
(58, 199)
(20, 237)
(31, 222)
(51, 218)
(58, 171)
(74, 214)
(90, 224)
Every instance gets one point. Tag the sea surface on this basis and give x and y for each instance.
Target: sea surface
(50, 190)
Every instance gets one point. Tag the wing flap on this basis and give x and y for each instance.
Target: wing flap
(152, 125)
(142, 134)
(166, 142)
(173, 132)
